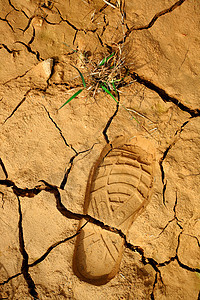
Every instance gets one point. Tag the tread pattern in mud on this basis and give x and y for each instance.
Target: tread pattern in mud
(119, 188)
(121, 185)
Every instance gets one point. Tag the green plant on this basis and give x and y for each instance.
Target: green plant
(108, 76)
(103, 76)
(79, 91)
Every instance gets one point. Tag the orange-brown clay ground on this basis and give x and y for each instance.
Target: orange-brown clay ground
(46, 154)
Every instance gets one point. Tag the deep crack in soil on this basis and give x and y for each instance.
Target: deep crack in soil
(164, 96)
(25, 267)
(110, 121)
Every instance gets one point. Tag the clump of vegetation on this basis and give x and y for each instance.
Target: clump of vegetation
(107, 75)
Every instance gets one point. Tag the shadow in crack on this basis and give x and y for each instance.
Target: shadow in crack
(25, 266)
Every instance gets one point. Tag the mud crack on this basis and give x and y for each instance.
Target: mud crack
(4, 168)
(18, 105)
(32, 38)
(173, 258)
(15, 78)
(29, 23)
(6, 175)
(73, 26)
(9, 1)
(5, 20)
(156, 281)
(39, 260)
(110, 121)
(71, 163)
(164, 182)
(164, 96)
(13, 52)
(21, 192)
(9, 279)
(60, 131)
(175, 218)
(36, 53)
(153, 20)
(25, 267)
(26, 94)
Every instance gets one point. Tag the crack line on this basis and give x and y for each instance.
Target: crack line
(36, 53)
(9, 1)
(173, 258)
(72, 25)
(164, 182)
(54, 246)
(193, 236)
(153, 20)
(15, 78)
(18, 105)
(71, 163)
(5, 20)
(25, 267)
(4, 168)
(174, 218)
(110, 120)
(163, 95)
(10, 278)
(32, 38)
(13, 52)
(60, 131)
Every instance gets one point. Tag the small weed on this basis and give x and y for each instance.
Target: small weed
(105, 76)
(108, 76)
(72, 97)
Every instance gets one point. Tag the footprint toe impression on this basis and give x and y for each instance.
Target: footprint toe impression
(119, 188)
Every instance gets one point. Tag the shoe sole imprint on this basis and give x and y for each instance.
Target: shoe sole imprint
(119, 188)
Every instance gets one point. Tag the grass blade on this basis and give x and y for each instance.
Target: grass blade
(102, 62)
(111, 55)
(108, 92)
(70, 47)
(72, 97)
(114, 87)
(82, 78)
(105, 59)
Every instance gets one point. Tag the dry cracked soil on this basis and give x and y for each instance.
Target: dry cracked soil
(145, 55)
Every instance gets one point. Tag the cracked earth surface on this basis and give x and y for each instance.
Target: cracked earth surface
(46, 154)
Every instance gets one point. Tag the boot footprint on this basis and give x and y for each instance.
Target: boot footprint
(119, 188)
